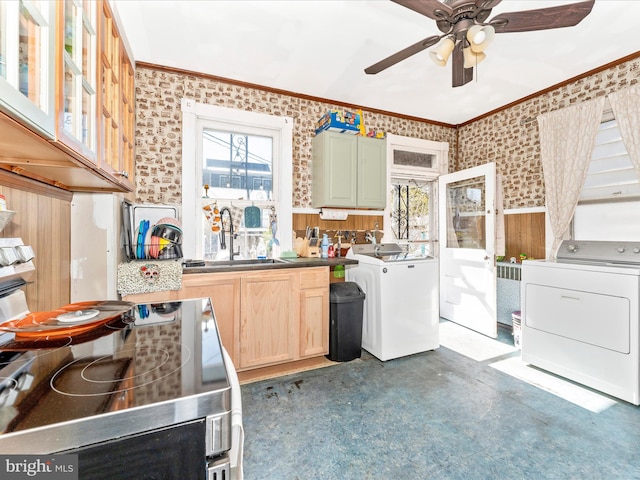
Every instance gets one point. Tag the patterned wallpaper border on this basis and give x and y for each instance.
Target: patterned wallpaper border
(509, 137)
(159, 131)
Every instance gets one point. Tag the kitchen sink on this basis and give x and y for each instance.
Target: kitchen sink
(249, 261)
(231, 264)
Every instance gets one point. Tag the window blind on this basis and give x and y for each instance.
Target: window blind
(611, 174)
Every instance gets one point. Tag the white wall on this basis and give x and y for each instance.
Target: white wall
(614, 221)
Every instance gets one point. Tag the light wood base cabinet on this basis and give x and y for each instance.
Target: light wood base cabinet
(313, 295)
(267, 325)
(265, 317)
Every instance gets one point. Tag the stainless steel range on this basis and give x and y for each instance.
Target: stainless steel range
(137, 391)
(581, 315)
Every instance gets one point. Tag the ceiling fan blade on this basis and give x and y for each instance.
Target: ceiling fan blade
(426, 7)
(402, 54)
(459, 75)
(543, 18)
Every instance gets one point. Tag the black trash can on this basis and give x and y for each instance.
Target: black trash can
(345, 321)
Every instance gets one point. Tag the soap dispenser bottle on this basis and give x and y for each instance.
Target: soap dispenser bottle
(261, 251)
(324, 246)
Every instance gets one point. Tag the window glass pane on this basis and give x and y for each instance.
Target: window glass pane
(87, 134)
(88, 39)
(466, 214)
(410, 215)
(237, 165)
(70, 16)
(414, 159)
(29, 57)
(237, 172)
(69, 99)
(3, 44)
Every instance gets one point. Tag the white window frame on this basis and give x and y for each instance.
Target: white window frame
(282, 128)
(410, 144)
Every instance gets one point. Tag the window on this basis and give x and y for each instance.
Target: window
(609, 205)
(237, 165)
(413, 175)
(611, 174)
(235, 159)
(411, 210)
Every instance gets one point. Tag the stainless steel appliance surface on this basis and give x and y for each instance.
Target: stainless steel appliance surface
(155, 373)
(581, 315)
(401, 309)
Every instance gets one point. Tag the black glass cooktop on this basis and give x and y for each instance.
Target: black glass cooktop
(140, 369)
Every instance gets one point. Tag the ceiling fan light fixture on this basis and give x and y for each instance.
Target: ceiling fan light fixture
(441, 52)
(471, 59)
(480, 36)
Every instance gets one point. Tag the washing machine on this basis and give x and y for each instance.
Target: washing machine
(401, 310)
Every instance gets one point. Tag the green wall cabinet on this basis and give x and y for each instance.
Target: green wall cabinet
(349, 171)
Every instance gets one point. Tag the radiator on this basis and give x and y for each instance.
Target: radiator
(509, 271)
(508, 291)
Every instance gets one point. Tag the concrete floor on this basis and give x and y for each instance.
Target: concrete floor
(452, 413)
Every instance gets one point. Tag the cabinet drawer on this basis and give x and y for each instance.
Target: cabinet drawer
(314, 277)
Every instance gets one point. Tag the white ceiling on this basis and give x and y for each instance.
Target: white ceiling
(320, 48)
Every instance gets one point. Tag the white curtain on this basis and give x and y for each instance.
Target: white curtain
(567, 137)
(500, 234)
(626, 108)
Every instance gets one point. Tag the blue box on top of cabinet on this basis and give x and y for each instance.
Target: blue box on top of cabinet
(339, 121)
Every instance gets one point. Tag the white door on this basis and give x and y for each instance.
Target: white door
(467, 214)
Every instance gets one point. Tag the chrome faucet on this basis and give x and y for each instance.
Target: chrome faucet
(370, 237)
(223, 244)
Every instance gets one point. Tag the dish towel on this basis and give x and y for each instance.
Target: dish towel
(149, 276)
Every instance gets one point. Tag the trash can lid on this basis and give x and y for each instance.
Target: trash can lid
(345, 292)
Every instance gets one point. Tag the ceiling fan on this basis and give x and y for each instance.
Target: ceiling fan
(466, 31)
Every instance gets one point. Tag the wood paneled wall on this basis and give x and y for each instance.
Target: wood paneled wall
(43, 220)
(361, 224)
(524, 233)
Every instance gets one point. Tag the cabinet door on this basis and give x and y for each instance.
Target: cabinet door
(314, 322)
(372, 173)
(314, 311)
(27, 63)
(224, 292)
(334, 179)
(127, 162)
(77, 100)
(109, 71)
(267, 328)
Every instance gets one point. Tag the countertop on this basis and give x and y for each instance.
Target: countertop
(279, 263)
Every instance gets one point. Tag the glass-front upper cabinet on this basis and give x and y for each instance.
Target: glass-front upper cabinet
(27, 62)
(78, 108)
(110, 102)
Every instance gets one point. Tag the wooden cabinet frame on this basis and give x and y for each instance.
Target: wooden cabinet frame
(35, 144)
(265, 317)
